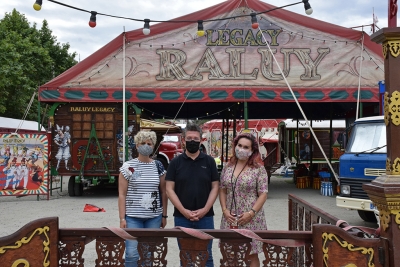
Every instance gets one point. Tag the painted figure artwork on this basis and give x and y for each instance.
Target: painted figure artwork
(23, 164)
(131, 143)
(62, 140)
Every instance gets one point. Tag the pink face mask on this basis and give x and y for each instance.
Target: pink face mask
(242, 154)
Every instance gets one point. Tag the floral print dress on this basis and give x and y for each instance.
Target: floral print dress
(245, 186)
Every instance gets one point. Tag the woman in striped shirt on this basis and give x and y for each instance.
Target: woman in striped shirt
(141, 193)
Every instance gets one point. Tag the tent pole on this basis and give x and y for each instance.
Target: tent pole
(246, 122)
(123, 101)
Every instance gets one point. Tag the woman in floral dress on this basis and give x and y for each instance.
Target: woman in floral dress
(243, 191)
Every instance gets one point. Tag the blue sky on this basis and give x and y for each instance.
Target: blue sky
(71, 26)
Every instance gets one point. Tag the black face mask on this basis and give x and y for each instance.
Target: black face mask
(192, 146)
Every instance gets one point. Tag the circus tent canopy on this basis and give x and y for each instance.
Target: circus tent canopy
(231, 63)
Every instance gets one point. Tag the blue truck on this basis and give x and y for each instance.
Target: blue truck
(364, 160)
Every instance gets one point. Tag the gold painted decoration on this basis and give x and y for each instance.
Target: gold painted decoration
(386, 108)
(20, 261)
(394, 108)
(394, 48)
(25, 240)
(385, 50)
(396, 167)
(384, 218)
(388, 169)
(344, 244)
(397, 218)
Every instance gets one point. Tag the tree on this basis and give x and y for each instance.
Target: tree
(28, 58)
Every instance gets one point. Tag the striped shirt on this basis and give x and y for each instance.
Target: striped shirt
(142, 197)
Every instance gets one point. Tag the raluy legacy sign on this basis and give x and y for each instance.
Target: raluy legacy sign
(172, 60)
(234, 54)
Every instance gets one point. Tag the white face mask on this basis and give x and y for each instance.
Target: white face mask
(242, 154)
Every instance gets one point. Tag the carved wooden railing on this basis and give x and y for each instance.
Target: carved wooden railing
(42, 243)
(303, 215)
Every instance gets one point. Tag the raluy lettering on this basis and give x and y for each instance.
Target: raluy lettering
(172, 69)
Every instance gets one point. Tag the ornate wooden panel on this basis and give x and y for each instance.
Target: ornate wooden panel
(71, 251)
(109, 251)
(193, 252)
(152, 251)
(235, 252)
(35, 244)
(332, 246)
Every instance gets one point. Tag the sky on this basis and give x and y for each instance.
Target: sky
(71, 26)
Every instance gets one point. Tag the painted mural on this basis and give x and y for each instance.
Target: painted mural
(23, 164)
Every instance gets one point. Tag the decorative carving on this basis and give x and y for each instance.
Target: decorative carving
(193, 251)
(308, 223)
(152, 251)
(235, 252)
(70, 253)
(394, 107)
(388, 167)
(25, 240)
(396, 167)
(397, 218)
(386, 108)
(384, 218)
(20, 261)
(301, 218)
(344, 244)
(146, 124)
(277, 255)
(109, 253)
(385, 50)
(394, 48)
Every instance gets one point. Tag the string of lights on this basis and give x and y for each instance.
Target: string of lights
(197, 118)
(200, 31)
(146, 28)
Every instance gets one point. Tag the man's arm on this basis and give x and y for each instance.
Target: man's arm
(170, 185)
(200, 213)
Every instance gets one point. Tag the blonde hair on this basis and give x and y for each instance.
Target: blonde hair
(142, 136)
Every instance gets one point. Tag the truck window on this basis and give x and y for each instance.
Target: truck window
(170, 138)
(368, 136)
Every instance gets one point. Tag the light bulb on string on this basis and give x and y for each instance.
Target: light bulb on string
(92, 21)
(307, 7)
(37, 5)
(200, 28)
(254, 23)
(146, 27)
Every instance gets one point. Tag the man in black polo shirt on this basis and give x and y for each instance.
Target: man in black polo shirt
(192, 186)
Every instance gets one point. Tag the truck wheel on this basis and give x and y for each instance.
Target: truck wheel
(367, 216)
(163, 162)
(71, 186)
(78, 189)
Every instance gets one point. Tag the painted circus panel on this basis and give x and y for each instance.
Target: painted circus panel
(88, 138)
(23, 164)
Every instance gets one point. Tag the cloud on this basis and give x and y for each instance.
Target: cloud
(71, 26)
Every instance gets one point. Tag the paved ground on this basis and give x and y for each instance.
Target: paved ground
(16, 212)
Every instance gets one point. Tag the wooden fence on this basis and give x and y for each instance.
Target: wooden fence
(43, 243)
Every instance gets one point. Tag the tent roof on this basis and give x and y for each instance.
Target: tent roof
(13, 124)
(231, 63)
(159, 126)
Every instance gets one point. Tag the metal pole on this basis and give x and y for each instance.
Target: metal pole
(123, 100)
(246, 123)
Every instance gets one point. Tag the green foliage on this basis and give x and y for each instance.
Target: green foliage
(28, 58)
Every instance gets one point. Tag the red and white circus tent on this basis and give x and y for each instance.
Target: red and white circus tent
(230, 63)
